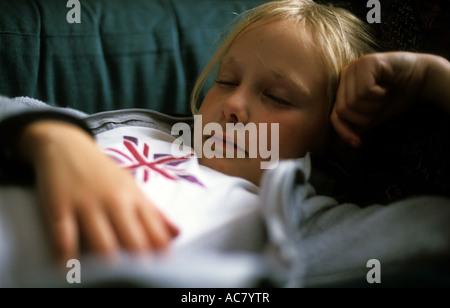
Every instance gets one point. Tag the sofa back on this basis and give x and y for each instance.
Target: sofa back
(148, 53)
(122, 54)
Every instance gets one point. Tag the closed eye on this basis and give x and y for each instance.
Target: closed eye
(226, 83)
(278, 100)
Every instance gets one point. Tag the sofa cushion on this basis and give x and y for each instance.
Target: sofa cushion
(123, 54)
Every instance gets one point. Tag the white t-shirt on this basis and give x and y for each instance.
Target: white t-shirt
(213, 211)
(210, 208)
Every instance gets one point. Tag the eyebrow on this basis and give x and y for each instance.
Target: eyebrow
(296, 83)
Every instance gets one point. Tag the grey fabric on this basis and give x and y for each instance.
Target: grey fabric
(329, 244)
(17, 113)
(314, 240)
(25, 259)
(103, 121)
(14, 106)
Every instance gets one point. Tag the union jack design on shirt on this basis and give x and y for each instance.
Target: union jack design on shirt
(139, 159)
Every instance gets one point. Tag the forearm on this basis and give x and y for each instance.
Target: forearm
(41, 139)
(436, 86)
(14, 118)
(87, 195)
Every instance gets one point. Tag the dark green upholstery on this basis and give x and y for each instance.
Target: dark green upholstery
(123, 54)
(148, 53)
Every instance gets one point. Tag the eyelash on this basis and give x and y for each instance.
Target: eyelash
(278, 100)
(225, 83)
(272, 97)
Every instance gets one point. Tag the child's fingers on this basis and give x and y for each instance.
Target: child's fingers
(128, 228)
(64, 234)
(359, 90)
(158, 230)
(346, 90)
(344, 130)
(172, 228)
(355, 117)
(97, 230)
(360, 100)
(370, 100)
(345, 110)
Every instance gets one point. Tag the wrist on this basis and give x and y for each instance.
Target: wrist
(42, 138)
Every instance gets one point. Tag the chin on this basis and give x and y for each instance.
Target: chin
(231, 167)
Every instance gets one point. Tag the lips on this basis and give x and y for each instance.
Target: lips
(227, 142)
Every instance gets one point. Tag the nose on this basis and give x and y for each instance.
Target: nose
(236, 107)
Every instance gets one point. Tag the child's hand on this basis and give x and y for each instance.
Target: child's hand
(87, 198)
(373, 89)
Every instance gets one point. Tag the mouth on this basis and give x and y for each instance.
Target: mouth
(227, 144)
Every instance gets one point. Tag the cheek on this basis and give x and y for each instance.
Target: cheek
(210, 102)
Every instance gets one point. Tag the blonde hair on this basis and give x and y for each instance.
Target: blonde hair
(341, 36)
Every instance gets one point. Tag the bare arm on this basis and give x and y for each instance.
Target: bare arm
(379, 86)
(88, 200)
(436, 87)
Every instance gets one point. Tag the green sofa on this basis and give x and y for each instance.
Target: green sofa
(122, 54)
(148, 53)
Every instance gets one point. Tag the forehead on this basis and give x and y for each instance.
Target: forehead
(280, 33)
(284, 49)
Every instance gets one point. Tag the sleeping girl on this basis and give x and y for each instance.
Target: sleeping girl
(110, 182)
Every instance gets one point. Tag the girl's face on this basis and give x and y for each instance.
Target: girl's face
(271, 74)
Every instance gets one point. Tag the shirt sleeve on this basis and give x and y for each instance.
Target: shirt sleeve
(327, 243)
(14, 116)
